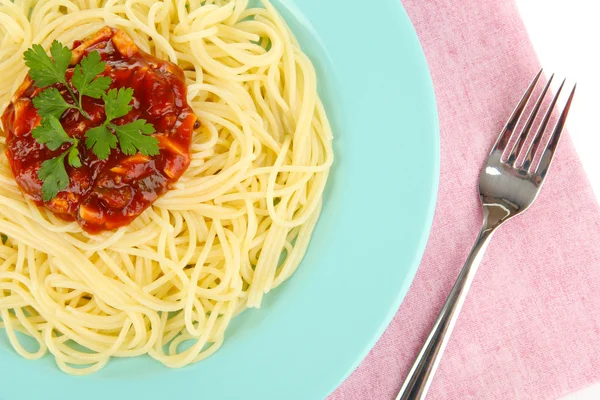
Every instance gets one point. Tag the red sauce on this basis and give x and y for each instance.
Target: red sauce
(107, 194)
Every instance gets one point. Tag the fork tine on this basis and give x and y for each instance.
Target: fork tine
(550, 149)
(535, 144)
(517, 147)
(513, 121)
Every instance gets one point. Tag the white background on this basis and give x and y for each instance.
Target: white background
(566, 36)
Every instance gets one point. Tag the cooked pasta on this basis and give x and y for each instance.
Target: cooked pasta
(236, 225)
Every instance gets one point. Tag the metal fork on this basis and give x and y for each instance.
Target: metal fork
(506, 190)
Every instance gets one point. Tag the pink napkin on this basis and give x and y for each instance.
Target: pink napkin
(530, 328)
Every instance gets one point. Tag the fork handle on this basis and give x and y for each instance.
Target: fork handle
(419, 378)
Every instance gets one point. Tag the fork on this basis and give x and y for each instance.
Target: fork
(506, 188)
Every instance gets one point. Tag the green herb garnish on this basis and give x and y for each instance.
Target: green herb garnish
(54, 175)
(53, 172)
(85, 77)
(51, 133)
(133, 137)
(51, 105)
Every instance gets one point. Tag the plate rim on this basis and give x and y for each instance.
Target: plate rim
(432, 188)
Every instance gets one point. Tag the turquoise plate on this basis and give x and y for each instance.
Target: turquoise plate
(317, 327)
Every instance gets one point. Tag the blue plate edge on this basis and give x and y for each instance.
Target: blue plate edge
(433, 189)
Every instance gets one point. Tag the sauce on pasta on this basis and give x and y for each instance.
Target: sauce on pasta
(107, 194)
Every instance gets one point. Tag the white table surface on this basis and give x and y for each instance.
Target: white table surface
(566, 36)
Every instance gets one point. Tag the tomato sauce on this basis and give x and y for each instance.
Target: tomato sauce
(107, 194)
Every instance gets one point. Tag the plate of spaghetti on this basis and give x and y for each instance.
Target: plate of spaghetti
(213, 198)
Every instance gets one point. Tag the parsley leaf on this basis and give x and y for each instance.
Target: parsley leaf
(136, 137)
(51, 103)
(101, 141)
(85, 72)
(44, 70)
(53, 172)
(54, 175)
(51, 133)
(62, 56)
(116, 103)
(132, 138)
(73, 157)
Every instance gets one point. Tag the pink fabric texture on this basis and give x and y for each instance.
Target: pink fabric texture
(530, 328)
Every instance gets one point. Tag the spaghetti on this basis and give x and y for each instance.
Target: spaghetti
(235, 226)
